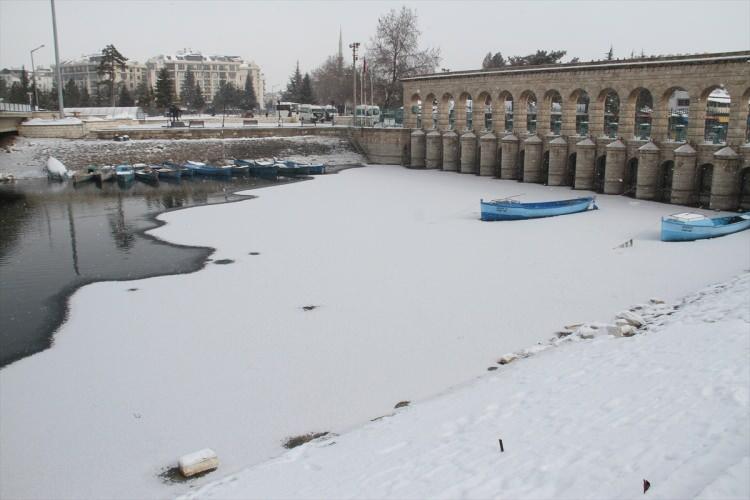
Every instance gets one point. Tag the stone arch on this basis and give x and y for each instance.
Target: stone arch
(631, 177)
(744, 189)
(599, 171)
(545, 168)
(447, 112)
(529, 107)
(704, 180)
(415, 112)
(641, 107)
(505, 106)
(664, 181)
(675, 105)
(464, 112)
(717, 113)
(430, 108)
(483, 116)
(571, 170)
(580, 97)
(609, 104)
(553, 104)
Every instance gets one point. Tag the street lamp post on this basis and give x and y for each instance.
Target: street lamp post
(61, 105)
(33, 79)
(354, 46)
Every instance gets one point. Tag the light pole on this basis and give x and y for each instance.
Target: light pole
(57, 62)
(33, 79)
(354, 46)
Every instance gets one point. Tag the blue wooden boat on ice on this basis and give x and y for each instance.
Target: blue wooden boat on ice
(265, 169)
(508, 209)
(124, 173)
(307, 168)
(201, 168)
(689, 226)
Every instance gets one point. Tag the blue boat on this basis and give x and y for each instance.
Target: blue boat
(201, 168)
(261, 168)
(689, 226)
(301, 168)
(167, 173)
(184, 171)
(508, 209)
(124, 173)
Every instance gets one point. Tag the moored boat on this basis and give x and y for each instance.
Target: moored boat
(265, 169)
(184, 171)
(146, 174)
(106, 173)
(56, 170)
(124, 173)
(205, 169)
(689, 226)
(167, 173)
(508, 209)
(306, 168)
(85, 175)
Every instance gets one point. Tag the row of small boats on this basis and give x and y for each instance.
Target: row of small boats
(152, 173)
(685, 226)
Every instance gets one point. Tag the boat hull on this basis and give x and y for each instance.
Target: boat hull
(501, 210)
(209, 170)
(675, 230)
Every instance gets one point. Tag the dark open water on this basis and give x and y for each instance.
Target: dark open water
(56, 237)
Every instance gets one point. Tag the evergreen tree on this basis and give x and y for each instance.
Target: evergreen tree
(249, 101)
(199, 101)
(306, 95)
(164, 89)
(187, 92)
(110, 62)
(294, 87)
(52, 97)
(144, 96)
(125, 100)
(493, 61)
(71, 95)
(25, 81)
(227, 97)
(610, 53)
(17, 95)
(84, 97)
(3, 89)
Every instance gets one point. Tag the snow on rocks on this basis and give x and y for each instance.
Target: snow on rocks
(200, 461)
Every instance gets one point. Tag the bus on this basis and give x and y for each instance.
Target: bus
(366, 115)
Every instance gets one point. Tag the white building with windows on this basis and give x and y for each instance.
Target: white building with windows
(43, 76)
(84, 72)
(210, 71)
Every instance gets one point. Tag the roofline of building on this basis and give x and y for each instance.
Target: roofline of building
(627, 63)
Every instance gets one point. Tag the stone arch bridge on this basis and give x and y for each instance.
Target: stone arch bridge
(671, 129)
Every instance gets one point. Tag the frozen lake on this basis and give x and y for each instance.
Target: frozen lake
(414, 295)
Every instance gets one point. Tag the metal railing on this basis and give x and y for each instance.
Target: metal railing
(13, 107)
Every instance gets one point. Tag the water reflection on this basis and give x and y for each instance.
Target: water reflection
(56, 237)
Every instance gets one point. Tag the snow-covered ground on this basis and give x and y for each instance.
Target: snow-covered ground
(591, 419)
(415, 295)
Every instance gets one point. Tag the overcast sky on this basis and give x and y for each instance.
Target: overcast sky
(277, 34)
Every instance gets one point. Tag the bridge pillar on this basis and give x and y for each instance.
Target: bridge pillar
(558, 161)
(469, 153)
(450, 151)
(626, 128)
(683, 178)
(696, 120)
(725, 183)
(417, 149)
(532, 160)
(648, 170)
(585, 161)
(434, 149)
(509, 165)
(614, 169)
(488, 154)
(659, 121)
(568, 126)
(596, 118)
(543, 114)
(738, 112)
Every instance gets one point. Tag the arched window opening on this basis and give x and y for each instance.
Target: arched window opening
(469, 113)
(555, 114)
(508, 105)
(434, 113)
(705, 179)
(664, 181)
(678, 106)
(644, 108)
(599, 171)
(488, 113)
(582, 114)
(416, 109)
(451, 114)
(717, 116)
(531, 113)
(571, 179)
(631, 178)
(611, 114)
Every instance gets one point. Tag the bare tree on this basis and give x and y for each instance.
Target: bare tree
(393, 53)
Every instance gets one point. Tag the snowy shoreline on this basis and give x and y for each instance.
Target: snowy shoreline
(415, 295)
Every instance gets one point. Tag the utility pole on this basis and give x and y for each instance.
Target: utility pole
(57, 63)
(33, 79)
(354, 46)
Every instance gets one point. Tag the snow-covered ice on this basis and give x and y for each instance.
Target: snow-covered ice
(415, 295)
